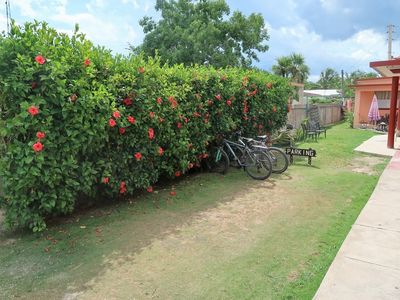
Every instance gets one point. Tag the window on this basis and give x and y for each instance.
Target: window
(384, 99)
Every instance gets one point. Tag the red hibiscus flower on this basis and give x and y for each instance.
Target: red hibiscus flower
(138, 156)
(151, 114)
(179, 125)
(160, 151)
(105, 180)
(172, 193)
(73, 97)
(177, 174)
(127, 101)
(151, 133)
(186, 120)
(141, 70)
(173, 102)
(131, 120)
(191, 165)
(159, 100)
(228, 102)
(40, 59)
(122, 130)
(37, 147)
(33, 110)
(209, 102)
(112, 122)
(116, 114)
(87, 62)
(150, 189)
(122, 187)
(40, 135)
(218, 97)
(274, 109)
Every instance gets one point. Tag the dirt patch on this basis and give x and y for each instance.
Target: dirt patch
(214, 237)
(366, 164)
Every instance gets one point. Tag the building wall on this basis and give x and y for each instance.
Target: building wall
(364, 92)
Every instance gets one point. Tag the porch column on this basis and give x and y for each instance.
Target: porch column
(392, 114)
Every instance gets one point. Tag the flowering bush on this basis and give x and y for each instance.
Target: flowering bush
(76, 121)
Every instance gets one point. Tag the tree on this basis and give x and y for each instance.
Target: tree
(199, 31)
(329, 79)
(350, 79)
(292, 66)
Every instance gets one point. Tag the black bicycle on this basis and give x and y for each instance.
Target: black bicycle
(279, 159)
(255, 162)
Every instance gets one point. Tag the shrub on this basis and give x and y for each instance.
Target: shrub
(77, 121)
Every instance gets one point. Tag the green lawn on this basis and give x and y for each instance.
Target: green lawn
(221, 237)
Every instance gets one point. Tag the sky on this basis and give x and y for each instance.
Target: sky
(341, 34)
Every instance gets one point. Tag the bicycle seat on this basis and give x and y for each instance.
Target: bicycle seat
(247, 139)
(262, 137)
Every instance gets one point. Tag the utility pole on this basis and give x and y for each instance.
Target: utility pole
(342, 88)
(8, 16)
(390, 39)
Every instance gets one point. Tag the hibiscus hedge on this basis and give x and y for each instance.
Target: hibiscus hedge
(77, 121)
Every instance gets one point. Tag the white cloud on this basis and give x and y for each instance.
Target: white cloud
(135, 3)
(95, 4)
(349, 54)
(25, 8)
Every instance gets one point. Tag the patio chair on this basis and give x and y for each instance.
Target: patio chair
(308, 132)
(319, 129)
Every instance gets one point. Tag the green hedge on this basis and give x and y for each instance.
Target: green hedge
(77, 121)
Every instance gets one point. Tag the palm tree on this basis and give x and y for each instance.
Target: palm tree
(283, 66)
(329, 78)
(299, 70)
(292, 66)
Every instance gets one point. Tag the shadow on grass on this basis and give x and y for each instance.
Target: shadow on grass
(84, 245)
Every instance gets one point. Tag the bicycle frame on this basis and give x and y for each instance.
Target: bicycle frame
(243, 146)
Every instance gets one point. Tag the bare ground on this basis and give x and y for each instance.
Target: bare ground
(366, 164)
(169, 268)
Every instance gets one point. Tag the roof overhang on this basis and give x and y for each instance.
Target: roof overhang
(387, 68)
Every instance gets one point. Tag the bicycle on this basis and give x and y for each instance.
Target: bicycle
(279, 159)
(255, 162)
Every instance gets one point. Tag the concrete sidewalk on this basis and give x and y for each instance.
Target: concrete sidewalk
(367, 265)
(377, 145)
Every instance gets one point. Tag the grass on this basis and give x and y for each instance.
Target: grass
(221, 237)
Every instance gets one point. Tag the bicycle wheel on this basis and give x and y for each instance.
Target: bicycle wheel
(279, 160)
(218, 160)
(257, 164)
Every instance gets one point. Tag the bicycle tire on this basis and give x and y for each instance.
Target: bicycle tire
(279, 160)
(258, 165)
(218, 160)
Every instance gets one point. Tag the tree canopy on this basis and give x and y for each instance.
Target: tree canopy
(330, 79)
(203, 32)
(293, 67)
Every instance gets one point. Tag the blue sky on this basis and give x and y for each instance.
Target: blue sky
(328, 33)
